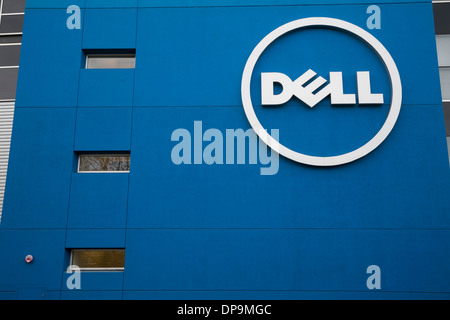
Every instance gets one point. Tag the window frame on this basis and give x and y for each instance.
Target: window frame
(79, 155)
(2, 7)
(443, 66)
(4, 44)
(15, 70)
(109, 55)
(109, 269)
(14, 14)
(11, 45)
(442, 91)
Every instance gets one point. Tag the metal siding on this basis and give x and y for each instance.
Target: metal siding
(6, 121)
(7, 106)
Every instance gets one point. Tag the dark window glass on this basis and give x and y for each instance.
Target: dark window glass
(441, 18)
(104, 162)
(98, 258)
(10, 39)
(13, 6)
(8, 83)
(11, 24)
(9, 55)
(447, 117)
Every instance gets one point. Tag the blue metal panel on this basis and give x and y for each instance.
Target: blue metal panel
(192, 3)
(48, 70)
(40, 166)
(280, 295)
(110, 29)
(31, 293)
(103, 129)
(393, 184)
(227, 3)
(91, 295)
(47, 248)
(99, 281)
(95, 238)
(111, 3)
(106, 88)
(98, 200)
(8, 295)
(52, 4)
(215, 49)
(280, 259)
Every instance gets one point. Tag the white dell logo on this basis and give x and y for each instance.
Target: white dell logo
(307, 91)
(307, 95)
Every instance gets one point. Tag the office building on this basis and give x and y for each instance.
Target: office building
(250, 149)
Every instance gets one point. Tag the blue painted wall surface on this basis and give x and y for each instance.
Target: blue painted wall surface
(222, 231)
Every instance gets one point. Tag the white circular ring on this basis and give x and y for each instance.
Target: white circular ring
(390, 66)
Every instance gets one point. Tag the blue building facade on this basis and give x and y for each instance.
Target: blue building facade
(196, 224)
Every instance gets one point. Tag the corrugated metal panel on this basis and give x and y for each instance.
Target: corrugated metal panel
(6, 121)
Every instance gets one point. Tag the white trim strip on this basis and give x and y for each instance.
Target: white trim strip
(11, 33)
(1, 10)
(13, 14)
